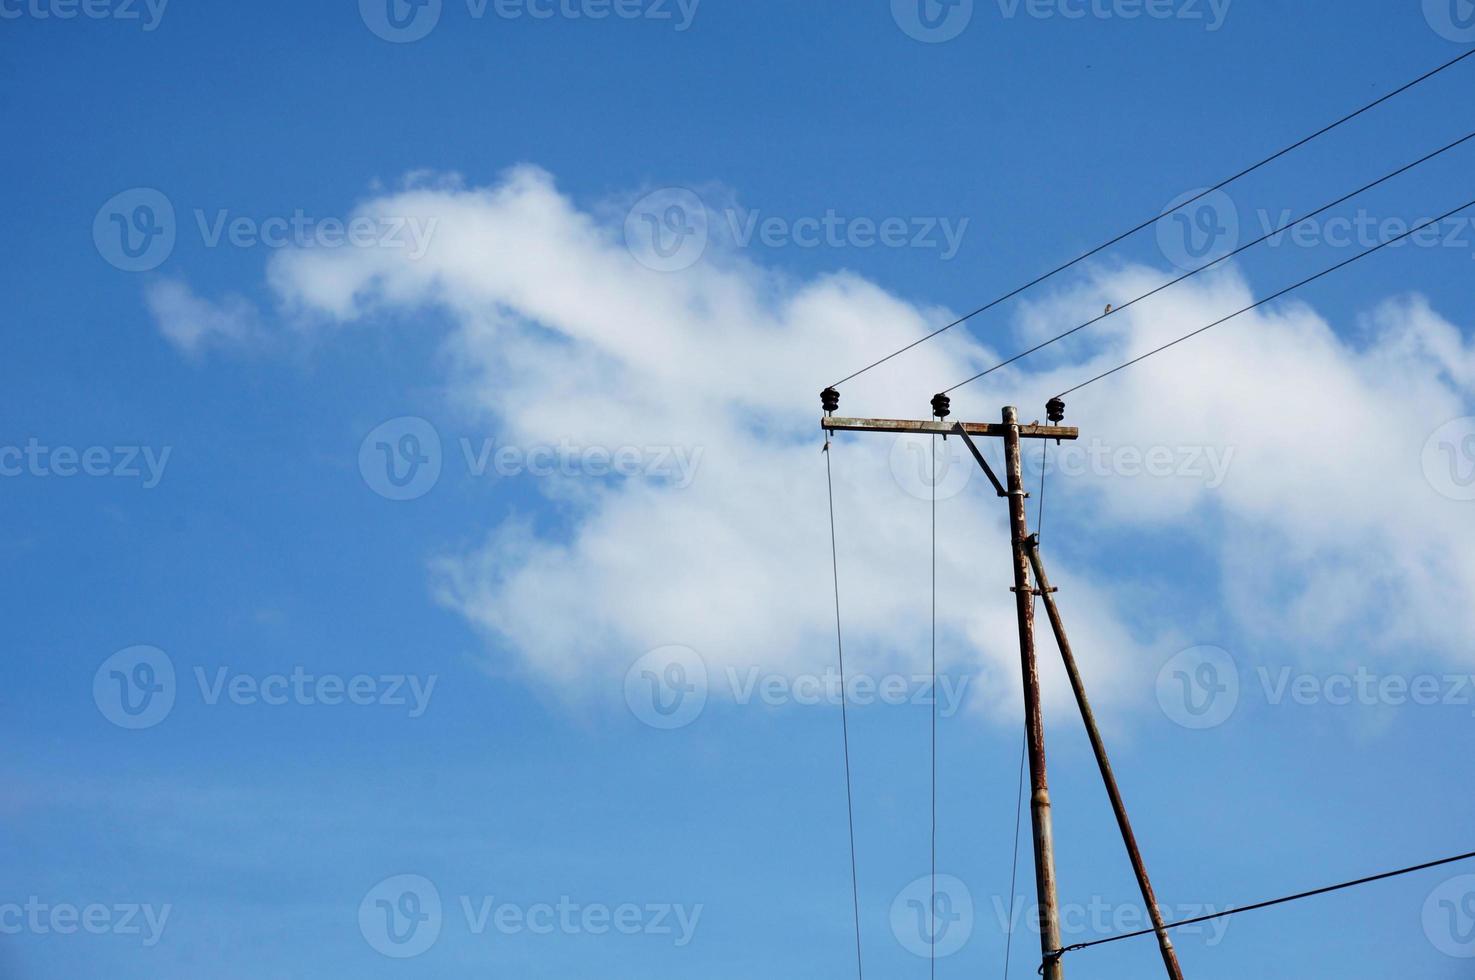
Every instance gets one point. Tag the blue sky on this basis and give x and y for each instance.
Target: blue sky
(607, 451)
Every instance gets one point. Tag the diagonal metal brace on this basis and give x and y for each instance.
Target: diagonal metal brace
(988, 470)
(1108, 777)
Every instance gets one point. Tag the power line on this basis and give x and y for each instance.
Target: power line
(1274, 901)
(844, 719)
(1209, 265)
(1014, 866)
(932, 897)
(1127, 234)
(1275, 296)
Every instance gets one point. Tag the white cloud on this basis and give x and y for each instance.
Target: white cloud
(192, 323)
(1325, 521)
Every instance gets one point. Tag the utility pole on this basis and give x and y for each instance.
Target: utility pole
(1011, 432)
(1026, 560)
(1034, 723)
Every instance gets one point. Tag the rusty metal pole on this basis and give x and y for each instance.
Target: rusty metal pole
(1033, 721)
(1139, 867)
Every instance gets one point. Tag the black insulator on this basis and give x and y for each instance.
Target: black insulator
(1055, 409)
(830, 399)
(942, 406)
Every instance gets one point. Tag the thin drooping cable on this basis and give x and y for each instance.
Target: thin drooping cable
(932, 903)
(844, 718)
(1273, 902)
(1040, 508)
(1209, 265)
(1014, 867)
(1024, 738)
(1152, 221)
(1271, 298)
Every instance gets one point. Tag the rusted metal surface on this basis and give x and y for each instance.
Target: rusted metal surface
(987, 469)
(1139, 867)
(1034, 724)
(838, 424)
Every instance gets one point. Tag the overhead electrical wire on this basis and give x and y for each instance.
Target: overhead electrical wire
(1014, 862)
(932, 897)
(1134, 230)
(844, 719)
(1274, 296)
(1265, 905)
(850, 808)
(1209, 265)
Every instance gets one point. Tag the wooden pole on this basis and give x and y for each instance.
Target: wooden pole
(1034, 727)
(1139, 868)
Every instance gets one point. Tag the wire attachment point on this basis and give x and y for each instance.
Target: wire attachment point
(830, 399)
